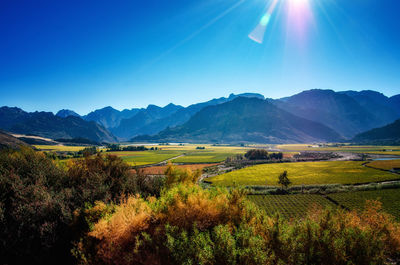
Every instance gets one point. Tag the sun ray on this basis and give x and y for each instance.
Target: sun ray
(258, 33)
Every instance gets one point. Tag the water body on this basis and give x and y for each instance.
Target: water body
(385, 158)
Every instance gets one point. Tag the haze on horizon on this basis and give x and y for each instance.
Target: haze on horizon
(87, 55)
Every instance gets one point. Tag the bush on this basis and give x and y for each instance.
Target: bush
(189, 225)
(38, 200)
(35, 208)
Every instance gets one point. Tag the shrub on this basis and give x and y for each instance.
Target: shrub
(189, 225)
(44, 207)
(35, 208)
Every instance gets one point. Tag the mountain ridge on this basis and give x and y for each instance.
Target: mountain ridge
(245, 120)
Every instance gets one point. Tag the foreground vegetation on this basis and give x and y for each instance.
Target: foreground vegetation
(96, 211)
(333, 172)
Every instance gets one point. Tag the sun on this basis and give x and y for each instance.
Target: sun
(298, 3)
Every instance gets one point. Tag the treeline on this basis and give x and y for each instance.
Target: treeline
(117, 147)
(254, 155)
(96, 211)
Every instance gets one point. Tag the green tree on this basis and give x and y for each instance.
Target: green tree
(284, 180)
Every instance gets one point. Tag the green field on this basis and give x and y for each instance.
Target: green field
(290, 206)
(390, 199)
(140, 158)
(368, 149)
(335, 172)
(203, 157)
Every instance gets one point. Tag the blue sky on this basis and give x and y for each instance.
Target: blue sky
(84, 55)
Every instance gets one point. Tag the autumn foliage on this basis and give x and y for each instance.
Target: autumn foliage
(191, 225)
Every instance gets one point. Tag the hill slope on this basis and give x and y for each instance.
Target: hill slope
(46, 124)
(389, 134)
(110, 117)
(349, 113)
(245, 120)
(9, 141)
(143, 124)
(66, 112)
(137, 123)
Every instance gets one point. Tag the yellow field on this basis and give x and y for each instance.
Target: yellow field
(385, 164)
(61, 148)
(336, 172)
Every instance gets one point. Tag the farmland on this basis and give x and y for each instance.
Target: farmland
(159, 170)
(203, 157)
(60, 148)
(368, 149)
(334, 172)
(389, 198)
(385, 164)
(184, 154)
(139, 158)
(290, 206)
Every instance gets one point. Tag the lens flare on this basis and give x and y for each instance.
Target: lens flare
(299, 15)
(258, 33)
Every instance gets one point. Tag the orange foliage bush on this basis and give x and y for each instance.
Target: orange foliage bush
(191, 225)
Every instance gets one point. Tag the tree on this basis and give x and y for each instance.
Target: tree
(257, 154)
(284, 180)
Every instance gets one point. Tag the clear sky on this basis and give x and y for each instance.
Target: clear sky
(84, 55)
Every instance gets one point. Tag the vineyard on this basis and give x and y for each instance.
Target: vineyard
(290, 206)
(390, 199)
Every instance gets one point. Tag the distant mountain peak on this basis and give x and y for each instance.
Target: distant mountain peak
(246, 95)
(66, 112)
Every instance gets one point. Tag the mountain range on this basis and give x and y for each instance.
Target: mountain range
(46, 124)
(246, 120)
(312, 115)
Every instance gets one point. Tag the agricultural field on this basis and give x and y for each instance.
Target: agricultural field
(60, 148)
(368, 149)
(385, 164)
(203, 157)
(139, 158)
(290, 206)
(159, 170)
(332, 172)
(390, 199)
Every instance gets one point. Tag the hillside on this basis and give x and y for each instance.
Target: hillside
(109, 117)
(245, 120)
(134, 125)
(389, 134)
(145, 123)
(349, 112)
(9, 141)
(46, 124)
(66, 112)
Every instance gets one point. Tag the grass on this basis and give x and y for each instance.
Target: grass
(335, 172)
(385, 164)
(61, 148)
(203, 157)
(289, 206)
(140, 158)
(390, 199)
